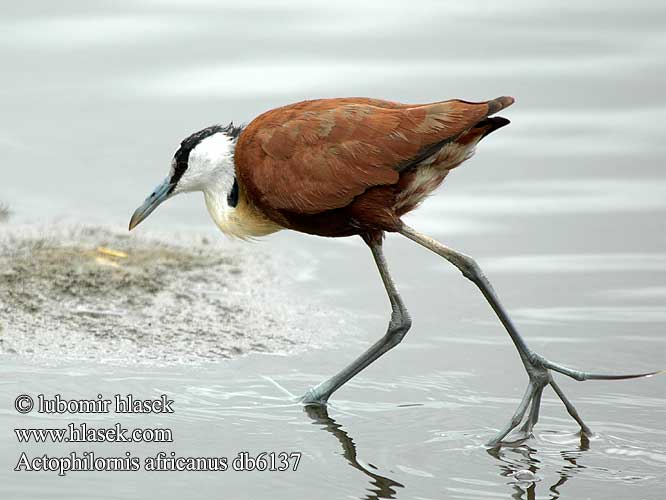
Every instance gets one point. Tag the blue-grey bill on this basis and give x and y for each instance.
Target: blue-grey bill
(160, 193)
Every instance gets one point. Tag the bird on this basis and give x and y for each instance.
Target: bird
(354, 166)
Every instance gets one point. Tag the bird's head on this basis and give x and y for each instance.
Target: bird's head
(204, 162)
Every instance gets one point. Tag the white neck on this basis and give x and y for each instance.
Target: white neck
(215, 195)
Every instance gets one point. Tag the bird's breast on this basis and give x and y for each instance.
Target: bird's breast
(243, 221)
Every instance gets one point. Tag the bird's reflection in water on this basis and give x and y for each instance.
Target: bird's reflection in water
(382, 487)
(527, 460)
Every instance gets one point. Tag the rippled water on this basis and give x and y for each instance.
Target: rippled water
(564, 209)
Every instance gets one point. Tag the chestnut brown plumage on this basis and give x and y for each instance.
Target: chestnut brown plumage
(352, 166)
(337, 167)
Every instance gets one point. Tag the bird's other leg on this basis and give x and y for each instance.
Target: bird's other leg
(398, 326)
(537, 367)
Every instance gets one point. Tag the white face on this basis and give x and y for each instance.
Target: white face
(210, 166)
(210, 169)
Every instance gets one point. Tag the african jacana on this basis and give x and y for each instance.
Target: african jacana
(351, 166)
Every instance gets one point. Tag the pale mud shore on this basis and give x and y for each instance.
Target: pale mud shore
(75, 292)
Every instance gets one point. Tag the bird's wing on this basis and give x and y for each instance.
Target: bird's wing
(315, 156)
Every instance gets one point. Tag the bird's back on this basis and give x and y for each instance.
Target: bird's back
(343, 166)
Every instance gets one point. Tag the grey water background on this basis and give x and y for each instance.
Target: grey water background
(564, 209)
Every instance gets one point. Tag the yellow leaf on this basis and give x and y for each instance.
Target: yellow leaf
(112, 253)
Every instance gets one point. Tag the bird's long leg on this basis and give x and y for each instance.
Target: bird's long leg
(536, 365)
(397, 328)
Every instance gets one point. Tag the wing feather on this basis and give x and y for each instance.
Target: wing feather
(315, 156)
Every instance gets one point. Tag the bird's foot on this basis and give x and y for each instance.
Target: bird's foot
(315, 396)
(539, 372)
(539, 377)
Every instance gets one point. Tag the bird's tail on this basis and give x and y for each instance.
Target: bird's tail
(499, 103)
(490, 123)
(482, 129)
